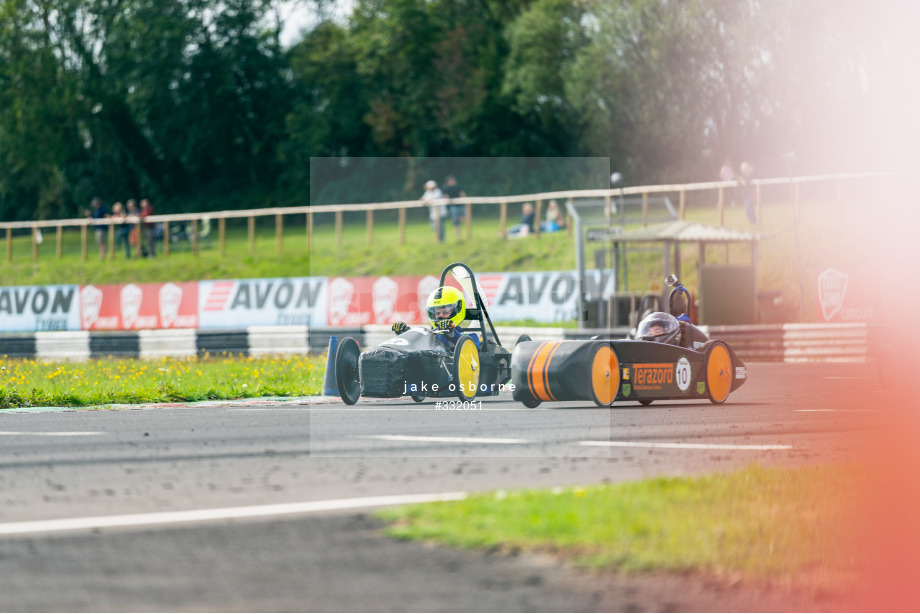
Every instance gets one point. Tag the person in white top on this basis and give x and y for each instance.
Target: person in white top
(437, 208)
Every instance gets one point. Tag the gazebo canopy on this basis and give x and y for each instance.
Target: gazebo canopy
(682, 231)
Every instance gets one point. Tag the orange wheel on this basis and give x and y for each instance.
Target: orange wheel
(605, 376)
(718, 372)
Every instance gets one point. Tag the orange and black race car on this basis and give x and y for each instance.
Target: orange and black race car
(669, 359)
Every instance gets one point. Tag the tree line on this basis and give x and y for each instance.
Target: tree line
(200, 105)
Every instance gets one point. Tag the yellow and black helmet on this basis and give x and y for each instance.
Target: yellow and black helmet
(446, 303)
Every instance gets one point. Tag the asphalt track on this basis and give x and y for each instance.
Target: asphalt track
(266, 506)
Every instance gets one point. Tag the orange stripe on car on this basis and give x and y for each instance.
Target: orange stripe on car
(533, 359)
(536, 370)
(549, 359)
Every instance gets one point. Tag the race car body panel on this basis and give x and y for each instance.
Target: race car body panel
(404, 364)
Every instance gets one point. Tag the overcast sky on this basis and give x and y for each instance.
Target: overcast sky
(299, 15)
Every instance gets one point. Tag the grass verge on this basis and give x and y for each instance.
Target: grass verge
(32, 383)
(765, 523)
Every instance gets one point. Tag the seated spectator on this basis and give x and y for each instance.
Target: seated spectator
(563, 221)
(555, 221)
(526, 226)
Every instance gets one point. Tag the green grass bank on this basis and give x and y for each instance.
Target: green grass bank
(789, 524)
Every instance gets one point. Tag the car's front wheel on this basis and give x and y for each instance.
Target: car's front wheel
(346, 370)
(466, 368)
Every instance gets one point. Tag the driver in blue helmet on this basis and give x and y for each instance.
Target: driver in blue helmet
(659, 326)
(446, 311)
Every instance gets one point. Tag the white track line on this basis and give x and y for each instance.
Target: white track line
(837, 410)
(53, 433)
(682, 446)
(226, 513)
(445, 439)
(612, 444)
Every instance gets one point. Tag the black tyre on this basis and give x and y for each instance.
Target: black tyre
(530, 401)
(645, 401)
(346, 370)
(522, 338)
(417, 398)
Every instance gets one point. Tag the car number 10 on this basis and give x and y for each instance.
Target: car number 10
(682, 373)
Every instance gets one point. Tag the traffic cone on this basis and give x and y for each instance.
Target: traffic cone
(330, 388)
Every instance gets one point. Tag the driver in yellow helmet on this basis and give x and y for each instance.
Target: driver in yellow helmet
(446, 311)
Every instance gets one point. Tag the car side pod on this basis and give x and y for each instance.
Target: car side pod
(565, 371)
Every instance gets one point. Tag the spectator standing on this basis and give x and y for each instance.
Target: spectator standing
(123, 229)
(727, 173)
(747, 189)
(149, 242)
(132, 215)
(457, 211)
(437, 210)
(527, 220)
(98, 212)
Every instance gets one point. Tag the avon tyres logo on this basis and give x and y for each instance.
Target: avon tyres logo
(652, 376)
(39, 308)
(544, 296)
(263, 302)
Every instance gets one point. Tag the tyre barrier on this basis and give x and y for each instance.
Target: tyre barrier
(754, 343)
